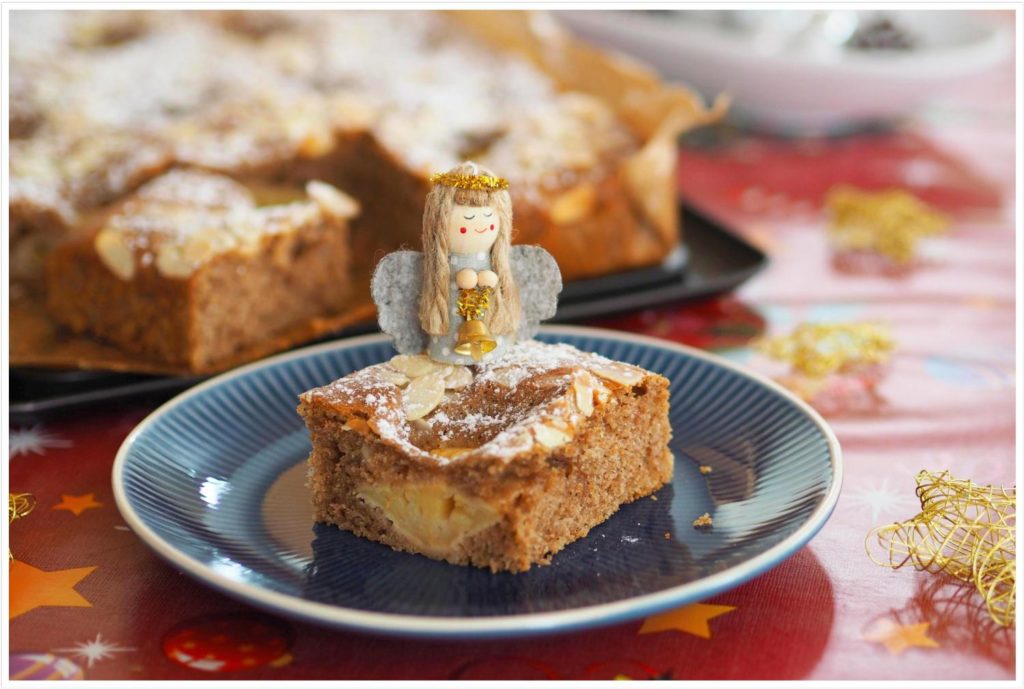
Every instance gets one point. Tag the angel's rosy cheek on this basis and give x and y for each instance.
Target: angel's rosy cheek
(462, 230)
(492, 227)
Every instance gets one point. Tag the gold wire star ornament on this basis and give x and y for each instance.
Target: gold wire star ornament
(963, 529)
(18, 505)
(890, 222)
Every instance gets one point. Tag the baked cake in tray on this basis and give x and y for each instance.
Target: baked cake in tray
(586, 139)
(498, 465)
(104, 102)
(190, 270)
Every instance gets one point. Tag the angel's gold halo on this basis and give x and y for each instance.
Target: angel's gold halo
(474, 182)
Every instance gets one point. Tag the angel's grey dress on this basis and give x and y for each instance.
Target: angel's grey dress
(398, 281)
(441, 347)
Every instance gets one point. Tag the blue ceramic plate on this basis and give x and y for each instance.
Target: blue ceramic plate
(213, 481)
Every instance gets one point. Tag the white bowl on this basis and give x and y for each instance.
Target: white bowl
(810, 87)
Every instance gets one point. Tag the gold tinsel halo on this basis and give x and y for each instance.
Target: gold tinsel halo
(819, 349)
(18, 505)
(963, 529)
(473, 182)
(887, 222)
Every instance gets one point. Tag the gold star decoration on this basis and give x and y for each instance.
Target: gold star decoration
(898, 638)
(18, 505)
(692, 619)
(965, 530)
(889, 222)
(33, 588)
(76, 504)
(820, 349)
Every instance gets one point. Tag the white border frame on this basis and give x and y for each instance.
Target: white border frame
(491, 626)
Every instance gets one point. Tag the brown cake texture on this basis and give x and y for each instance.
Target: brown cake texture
(108, 100)
(190, 270)
(499, 465)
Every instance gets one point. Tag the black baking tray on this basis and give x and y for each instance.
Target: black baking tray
(712, 260)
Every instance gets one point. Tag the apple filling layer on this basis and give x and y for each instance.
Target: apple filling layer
(434, 517)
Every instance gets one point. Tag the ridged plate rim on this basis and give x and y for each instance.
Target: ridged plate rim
(499, 625)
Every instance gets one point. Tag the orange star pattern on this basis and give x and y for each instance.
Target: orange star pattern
(692, 619)
(76, 504)
(33, 588)
(898, 638)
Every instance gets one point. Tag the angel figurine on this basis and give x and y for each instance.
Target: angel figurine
(469, 295)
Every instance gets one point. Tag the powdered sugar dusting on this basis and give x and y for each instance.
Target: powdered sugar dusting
(228, 94)
(509, 431)
(186, 217)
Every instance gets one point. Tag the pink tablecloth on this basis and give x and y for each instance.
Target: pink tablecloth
(88, 599)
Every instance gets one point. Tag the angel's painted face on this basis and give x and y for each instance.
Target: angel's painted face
(472, 229)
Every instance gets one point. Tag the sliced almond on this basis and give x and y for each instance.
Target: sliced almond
(583, 386)
(623, 374)
(414, 365)
(573, 204)
(332, 200)
(458, 377)
(422, 395)
(394, 377)
(507, 376)
(352, 111)
(451, 452)
(357, 424)
(115, 253)
(549, 436)
(205, 244)
(171, 263)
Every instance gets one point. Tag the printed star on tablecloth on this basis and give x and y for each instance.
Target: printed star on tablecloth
(76, 504)
(34, 440)
(880, 500)
(97, 649)
(33, 588)
(692, 619)
(898, 638)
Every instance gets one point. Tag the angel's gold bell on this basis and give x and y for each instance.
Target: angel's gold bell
(474, 340)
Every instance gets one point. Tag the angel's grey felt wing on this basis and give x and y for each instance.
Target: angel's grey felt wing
(395, 287)
(539, 281)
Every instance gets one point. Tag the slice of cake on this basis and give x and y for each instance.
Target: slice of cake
(499, 465)
(190, 270)
(58, 182)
